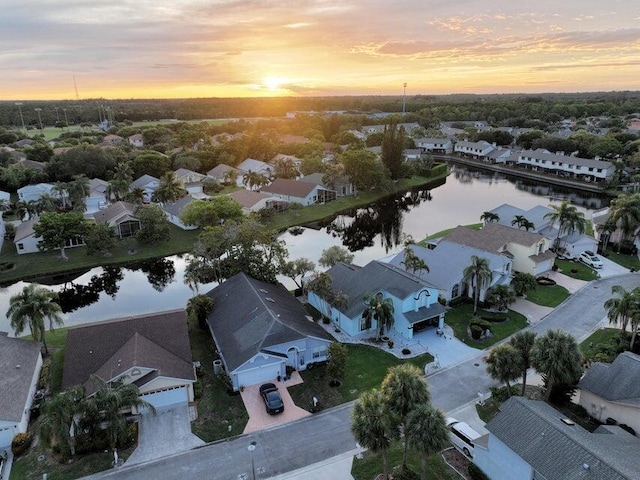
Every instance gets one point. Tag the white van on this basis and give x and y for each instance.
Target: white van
(462, 436)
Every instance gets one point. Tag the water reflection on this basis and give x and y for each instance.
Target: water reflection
(74, 296)
(160, 271)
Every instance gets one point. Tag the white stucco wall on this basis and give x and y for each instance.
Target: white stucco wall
(29, 243)
(602, 409)
(499, 462)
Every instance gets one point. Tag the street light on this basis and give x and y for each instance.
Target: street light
(19, 105)
(38, 110)
(251, 448)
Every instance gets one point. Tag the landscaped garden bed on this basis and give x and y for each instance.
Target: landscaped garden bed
(461, 318)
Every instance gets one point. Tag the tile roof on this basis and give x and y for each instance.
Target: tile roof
(159, 341)
(18, 360)
(250, 315)
(492, 237)
(535, 431)
(293, 188)
(617, 381)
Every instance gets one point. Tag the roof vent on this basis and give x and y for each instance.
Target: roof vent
(263, 290)
(269, 299)
(585, 466)
(568, 421)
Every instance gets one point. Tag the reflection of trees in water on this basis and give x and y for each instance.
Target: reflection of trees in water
(73, 297)
(554, 193)
(160, 271)
(383, 217)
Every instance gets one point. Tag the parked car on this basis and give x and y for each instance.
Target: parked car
(462, 436)
(591, 259)
(272, 399)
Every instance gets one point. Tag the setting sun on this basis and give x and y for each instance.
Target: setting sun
(274, 83)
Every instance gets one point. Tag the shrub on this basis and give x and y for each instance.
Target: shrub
(626, 427)
(21, 443)
(295, 206)
(484, 324)
(326, 320)
(406, 351)
(476, 331)
(460, 300)
(43, 380)
(501, 394)
(197, 391)
(496, 317)
(611, 421)
(475, 473)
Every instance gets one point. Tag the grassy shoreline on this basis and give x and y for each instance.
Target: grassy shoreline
(36, 265)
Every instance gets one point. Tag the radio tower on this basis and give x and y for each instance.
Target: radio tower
(76, 88)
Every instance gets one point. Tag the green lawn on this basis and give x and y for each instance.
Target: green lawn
(576, 270)
(217, 410)
(48, 263)
(548, 295)
(366, 367)
(604, 344)
(371, 465)
(442, 233)
(459, 316)
(628, 261)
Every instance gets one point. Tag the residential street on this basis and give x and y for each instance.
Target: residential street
(325, 435)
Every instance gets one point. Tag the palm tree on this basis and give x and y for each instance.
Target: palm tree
(4, 205)
(381, 310)
(322, 286)
(123, 172)
(135, 196)
(624, 309)
(557, 357)
(523, 342)
(522, 222)
(490, 217)
(117, 189)
(79, 189)
(169, 189)
(606, 229)
(200, 306)
(501, 296)
(371, 426)
(568, 218)
(21, 209)
(286, 168)
(503, 364)
(48, 203)
(478, 274)
(60, 189)
(110, 400)
(426, 432)
(230, 177)
(58, 418)
(523, 282)
(412, 262)
(625, 214)
(403, 389)
(31, 308)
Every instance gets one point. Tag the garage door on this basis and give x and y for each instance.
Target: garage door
(267, 373)
(6, 435)
(166, 398)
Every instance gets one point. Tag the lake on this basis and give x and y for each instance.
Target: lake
(371, 233)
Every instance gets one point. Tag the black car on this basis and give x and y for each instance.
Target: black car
(272, 398)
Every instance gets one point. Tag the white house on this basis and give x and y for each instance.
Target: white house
(565, 165)
(252, 201)
(342, 186)
(21, 362)
(529, 439)
(260, 329)
(34, 192)
(153, 351)
(148, 184)
(434, 145)
(97, 197)
(474, 149)
(415, 302)
(25, 240)
(612, 390)
(121, 216)
(174, 210)
(296, 191)
(192, 181)
(221, 173)
(253, 165)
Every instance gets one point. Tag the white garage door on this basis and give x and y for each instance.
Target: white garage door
(166, 398)
(267, 373)
(6, 435)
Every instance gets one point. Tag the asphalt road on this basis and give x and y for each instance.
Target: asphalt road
(322, 436)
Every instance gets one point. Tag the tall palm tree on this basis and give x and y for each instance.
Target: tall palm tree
(568, 218)
(427, 433)
(169, 189)
(624, 309)
(606, 229)
(117, 189)
(123, 172)
(503, 364)
(523, 342)
(48, 203)
(371, 426)
(381, 310)
(478, 274)
(135, 196)
(412, 262)
(403, 389)
(557, 357)
(79, 189)
(517, 221)
(625, 214)
(58, 418)
(200, 306)
(501, 296)
(110, 400)
(30, 308)
(60, 189)
(489, 217)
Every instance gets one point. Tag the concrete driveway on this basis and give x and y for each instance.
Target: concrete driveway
(165, 433)
(611, 268)
(259, 419)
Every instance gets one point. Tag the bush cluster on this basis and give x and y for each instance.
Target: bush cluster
(21, 443)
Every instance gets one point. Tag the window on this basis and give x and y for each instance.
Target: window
(129, 228)
(455, 291)
(319, 352)
(365, 324)
(21, 246)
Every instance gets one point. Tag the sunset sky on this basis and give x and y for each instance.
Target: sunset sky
(240, 48)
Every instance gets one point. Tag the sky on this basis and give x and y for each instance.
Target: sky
(248, 48)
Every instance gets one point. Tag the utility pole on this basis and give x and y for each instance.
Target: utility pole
(404, 97)
(39, 117)
(19, 105)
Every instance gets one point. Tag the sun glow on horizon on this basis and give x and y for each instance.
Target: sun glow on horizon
(275, 83)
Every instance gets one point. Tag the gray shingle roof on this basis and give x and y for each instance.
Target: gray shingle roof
(143, 181)
(293, 188)
(159, 341)
(356, 282)
(617, 381)
(543, 154)
(176, 208)
(492, 237)
(250, 315)
(113, 211)
(18, 360)
(535, 431)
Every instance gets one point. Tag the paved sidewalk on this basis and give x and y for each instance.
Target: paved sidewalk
(335, 468)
